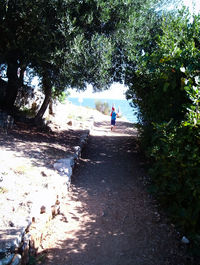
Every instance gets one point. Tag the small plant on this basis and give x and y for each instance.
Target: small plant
(36, 260)
(28, 112)
(79, 118)
(70, 116)
(103, 107)
(3, 190)
(22, 169)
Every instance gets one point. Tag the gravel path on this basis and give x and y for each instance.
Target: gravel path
(109, 218)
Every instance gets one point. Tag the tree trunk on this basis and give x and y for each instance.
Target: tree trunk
(51, 107)
(21, 76)
(12, 85)
(47, 92)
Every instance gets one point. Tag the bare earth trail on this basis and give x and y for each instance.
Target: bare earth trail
(109, 218)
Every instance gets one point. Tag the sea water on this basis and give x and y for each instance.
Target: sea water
(123, 106)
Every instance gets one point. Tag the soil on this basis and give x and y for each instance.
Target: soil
(27, 156)
(108, 217)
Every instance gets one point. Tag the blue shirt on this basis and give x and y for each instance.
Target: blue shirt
(113, 115)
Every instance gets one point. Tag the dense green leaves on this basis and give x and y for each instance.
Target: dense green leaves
(164, 84)
(176, 173)
(68, 41)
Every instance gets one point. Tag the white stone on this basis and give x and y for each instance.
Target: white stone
(57, 166)
(77, 150)
(184, 240)
(6, 260)
(16, 260)
(64, 166)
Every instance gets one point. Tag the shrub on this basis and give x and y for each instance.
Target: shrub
(166, 91)
(103, 107)
(176, 173)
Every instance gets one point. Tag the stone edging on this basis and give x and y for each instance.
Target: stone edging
(22, 243)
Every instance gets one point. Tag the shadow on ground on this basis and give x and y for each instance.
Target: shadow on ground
(109, 218)
(42, 148)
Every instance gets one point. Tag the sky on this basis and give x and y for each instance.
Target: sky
(116, 91)
(193, 9)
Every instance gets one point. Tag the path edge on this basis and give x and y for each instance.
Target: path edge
(26, 241)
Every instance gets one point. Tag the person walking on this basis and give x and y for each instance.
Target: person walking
(113, 118)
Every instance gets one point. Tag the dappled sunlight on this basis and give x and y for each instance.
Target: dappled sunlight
(39, 148)
(80, 227)
(96, 222)
(88, 230)
(107, 217)
(79, 224)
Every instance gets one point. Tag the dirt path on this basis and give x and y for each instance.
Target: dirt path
(109, 218)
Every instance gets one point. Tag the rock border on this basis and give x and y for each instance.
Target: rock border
(25, 241)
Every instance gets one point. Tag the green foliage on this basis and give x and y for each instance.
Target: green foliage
(164, 84)
(103, 107)
(30, 113)
(176, 174)
(69, 49)
(192, 89)
(60, 95)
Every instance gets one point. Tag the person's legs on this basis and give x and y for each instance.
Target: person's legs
(112, 124)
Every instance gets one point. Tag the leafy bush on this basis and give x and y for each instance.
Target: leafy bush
(176, 173)
(166, 90)
(175, 149)
(28, 112)
(103, 107)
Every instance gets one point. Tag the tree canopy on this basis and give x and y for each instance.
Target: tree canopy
(163, 81)
(66, 43)
(69, 43)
